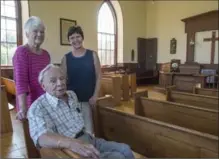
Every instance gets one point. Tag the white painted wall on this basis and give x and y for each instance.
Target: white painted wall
(163, 20)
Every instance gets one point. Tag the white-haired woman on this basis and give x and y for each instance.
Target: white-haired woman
(28, 61)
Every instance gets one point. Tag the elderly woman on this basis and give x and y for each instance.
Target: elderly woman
(82, 68)
(28, 61)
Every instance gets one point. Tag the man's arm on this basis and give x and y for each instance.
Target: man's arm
(41, 131)
(53, 140)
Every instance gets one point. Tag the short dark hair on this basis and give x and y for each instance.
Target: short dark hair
(75, 29)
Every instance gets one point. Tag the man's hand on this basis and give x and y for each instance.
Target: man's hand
(93, 100)
(22, 114)
(85, 150)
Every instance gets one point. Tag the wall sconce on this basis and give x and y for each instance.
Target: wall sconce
(192, 43)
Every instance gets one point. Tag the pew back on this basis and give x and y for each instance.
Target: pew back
(6, 125)
(9, 85)
(152, 138)
(111, 86)
(204, 91)
(200, 119)
(32, 151)
(202, 101)
(128, 83)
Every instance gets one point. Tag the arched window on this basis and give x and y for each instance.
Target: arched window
(107, 34)
(11, 32)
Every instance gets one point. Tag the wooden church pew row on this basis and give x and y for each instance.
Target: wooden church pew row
(6, 124)
(150, 137)
(196, 118)
(111, 86)
(205, 91)
(129, 85)
(9, 85)
(202, 101)
(124, 84)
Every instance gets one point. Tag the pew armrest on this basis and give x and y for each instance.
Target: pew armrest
(140, 94)
(173, 87)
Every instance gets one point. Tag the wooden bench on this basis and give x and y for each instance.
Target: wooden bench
(202, 101)
(205, 91)
(150, 137)
(65, 153)
(33, 152)
(196, 118)
(6, 124)
(10, 91)
(111, 86)
(9, 85)
(128, 83)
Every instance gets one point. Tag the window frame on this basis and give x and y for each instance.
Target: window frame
(109, 3)
(18, 20)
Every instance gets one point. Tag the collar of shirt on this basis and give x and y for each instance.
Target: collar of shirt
(53, 101)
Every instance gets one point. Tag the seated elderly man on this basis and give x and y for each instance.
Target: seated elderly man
(55, 121)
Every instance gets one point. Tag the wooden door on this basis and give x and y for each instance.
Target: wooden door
(151, 54)
(141, 42)
(147, 54)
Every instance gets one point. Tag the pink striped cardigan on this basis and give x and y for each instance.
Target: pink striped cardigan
(27, 66)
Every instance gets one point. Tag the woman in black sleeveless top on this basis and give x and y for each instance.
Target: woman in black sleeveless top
(83, 72)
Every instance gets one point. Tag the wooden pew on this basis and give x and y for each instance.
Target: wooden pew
(150, 137)
(205, 91)
(6, 124)
(66, 153)
(196, 118)
(33, 152)
(111, 86)
(202, 101)
(10, 90)
(9, 85)
(128, 83)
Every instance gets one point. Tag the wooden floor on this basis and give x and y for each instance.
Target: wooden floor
(13, 145)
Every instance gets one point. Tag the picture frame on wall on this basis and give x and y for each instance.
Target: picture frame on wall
(173, 44)
(65, 24)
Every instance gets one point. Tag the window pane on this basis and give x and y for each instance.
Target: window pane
(3, 23)
(3, 48)
(3, 35)
(9, 3)
(11, 51)
(2, 10)
(3, 54)
(112, 46)
(99, 36)
(10, 11)
(112, 57)
(104, 41)
(11, 36)
(11, 24)
(3, 59)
